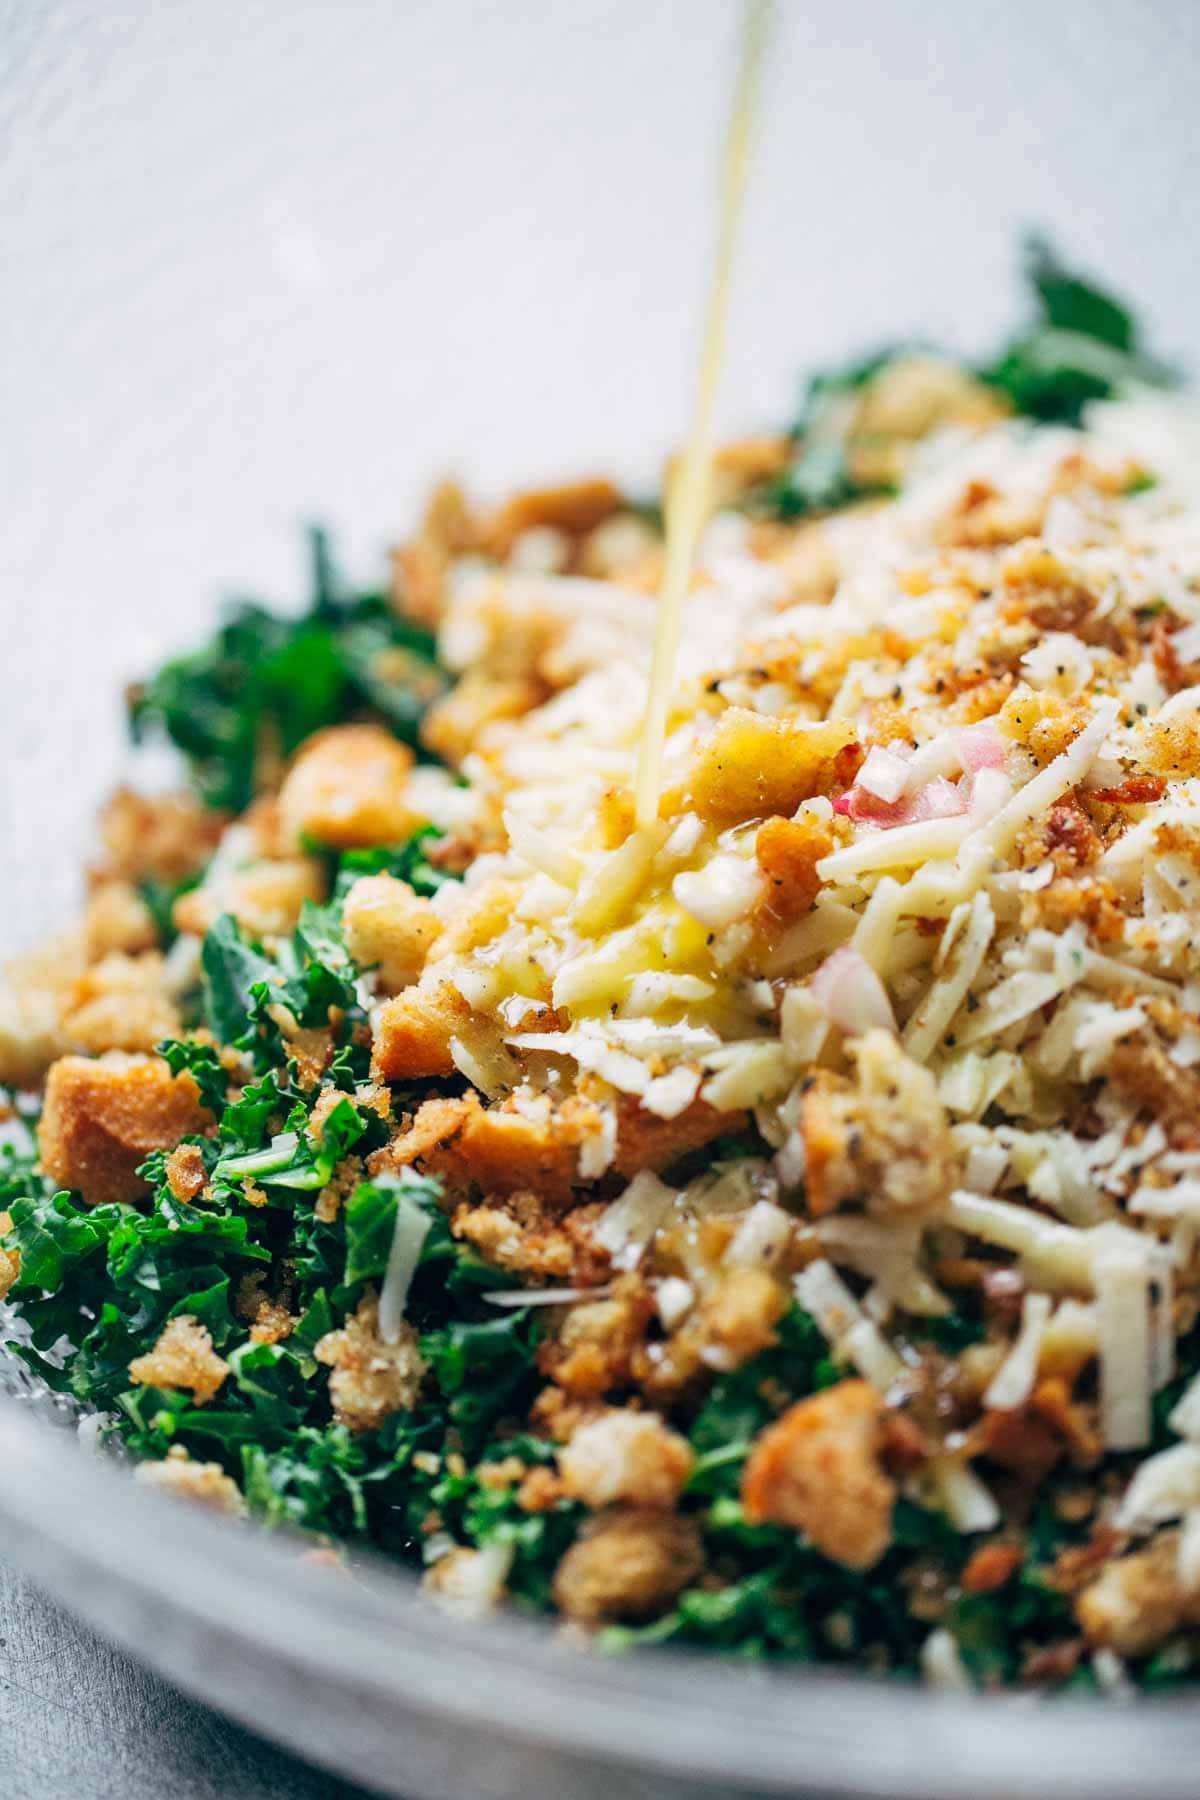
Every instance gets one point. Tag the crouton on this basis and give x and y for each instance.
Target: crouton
(419, 566)
(206, 1484)
(31, 1033)
(593, 1349)
(346, 789)
(644, 1141)
(120, 1003)
(630, 1456)
(116, 918)
(884, 1139)
(158, 837)
(629, 1563)
(390, 929)
(412, 1033)
(101, 1119)
(266, 898)
(735, 1320)
(184, 1358)
(456, 723)
(371, 1378)
(1137, 1600)
(754, 765)
(788, 851)
(817, 1468)
(575, 508)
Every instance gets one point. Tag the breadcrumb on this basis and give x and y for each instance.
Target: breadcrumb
(371, 1379)
(184, 1358)
(629, 1563)
(206, 1484)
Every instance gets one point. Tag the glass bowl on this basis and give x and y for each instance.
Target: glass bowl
(362, 1675)
(265, 262)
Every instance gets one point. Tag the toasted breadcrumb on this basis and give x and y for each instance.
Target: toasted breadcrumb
(206, 1484)
(371, 1379)
(884, 1140)
(183, 1357)
(186, 1174)
(628, 1563)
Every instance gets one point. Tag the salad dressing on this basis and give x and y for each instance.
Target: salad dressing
(688, 498)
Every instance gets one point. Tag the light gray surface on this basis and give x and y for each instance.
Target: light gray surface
(264, 259)
(79, 1717)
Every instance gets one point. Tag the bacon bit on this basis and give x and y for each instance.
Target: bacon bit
(1018, 1442)
(991, 1567)
(1052, 1401)
(1053, 1664)
(1135, 790)
(904, 1446)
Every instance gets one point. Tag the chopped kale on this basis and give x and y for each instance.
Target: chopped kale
(264, 683)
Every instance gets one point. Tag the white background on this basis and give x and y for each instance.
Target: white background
(265, 260)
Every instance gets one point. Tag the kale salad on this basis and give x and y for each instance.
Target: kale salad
(772, 1228)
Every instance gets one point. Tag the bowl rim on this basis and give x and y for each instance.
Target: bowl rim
(148, 1571)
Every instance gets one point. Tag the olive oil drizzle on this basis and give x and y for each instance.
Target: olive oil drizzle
(687, 502)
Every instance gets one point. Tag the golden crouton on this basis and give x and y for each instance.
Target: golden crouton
(389, 928)
(594, 1349)
(346, 789)
(413, 1032)
(788, 851)
(575, 508)
(371, 1378)
(31, 1003)
(1137, 1600)
(644, 1141)
(817, 1468)
(101, 1119)
(120, 1003)
(885, 1140)
(116, 918)
(625, 1455)
(754, 765)
(629, 1563)
(456, 723)
(159, 837)
(265, 898)
(184, 1358)
(206, 1484)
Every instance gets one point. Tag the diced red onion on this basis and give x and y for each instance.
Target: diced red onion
(980, 747)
